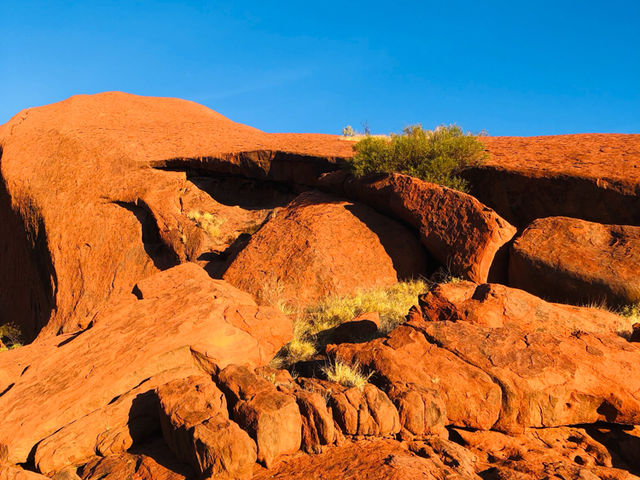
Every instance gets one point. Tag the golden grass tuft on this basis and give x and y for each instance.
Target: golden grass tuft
(207, 222)
(347, 375)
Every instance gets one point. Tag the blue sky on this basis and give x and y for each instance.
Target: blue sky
(510, 67)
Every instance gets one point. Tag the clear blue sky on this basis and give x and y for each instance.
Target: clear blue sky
(510, 67)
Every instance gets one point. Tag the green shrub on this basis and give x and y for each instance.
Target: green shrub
(10, 336)
(437, 156)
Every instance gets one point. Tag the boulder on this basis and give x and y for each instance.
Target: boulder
(317, 421)
(196, 426)
(365, 411)
(322, 245)
(594, 177)
(17, 473)
(94, 196)
(460, 232)
(362, 327)
(563, 452)
(574, 261)
(507, 374)
(181, 321)
(272, 418)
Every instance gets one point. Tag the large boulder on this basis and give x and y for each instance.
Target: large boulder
(575, 261)
(504, 365)
(181, 321)
(594, 177)
(464, 235)
(94, 196)
(322, 245)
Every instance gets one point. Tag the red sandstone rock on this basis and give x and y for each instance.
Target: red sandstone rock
(272, 418)
(85, 213)
(317, 422)
(595, 177)
(570, 260)
(497, 366)
(494, 305)
(184, 319)
(321, 245)
(196, 426)
(422, 410)
(16, 473)
(458, 230)
(363, 327)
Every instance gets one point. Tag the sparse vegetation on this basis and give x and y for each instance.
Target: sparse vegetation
(392, 304)
(348, 131)
(10, 336)
(207, 222)
(436, 156)
(347, 375)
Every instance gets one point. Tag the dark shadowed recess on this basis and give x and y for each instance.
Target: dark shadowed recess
(520, 198)
(28, 280)
(162, 256)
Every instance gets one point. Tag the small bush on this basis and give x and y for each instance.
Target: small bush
(10, 336)
(347, 375)
(348, 131)
(207, 222)
(437, 156)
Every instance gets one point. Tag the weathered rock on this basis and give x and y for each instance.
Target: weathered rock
(272, 418)
(154, 462)
(83, 217)
(575, 261)
(317, 422)
(196, 426)
(541, 453)
(367, 411)
(494, 305)
(497, 372)
(470, 396)
(421, 410)
(110, 430)
(321, 245)
(17, 473)
(184, 318)
(363, 327)
(590, 176)
(376, 459)
(459, 231)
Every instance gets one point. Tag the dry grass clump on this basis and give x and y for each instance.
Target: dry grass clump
(391, 303)
(10, 336)
(207, 222)
(347, 375)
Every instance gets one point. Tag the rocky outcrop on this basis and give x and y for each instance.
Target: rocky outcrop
(574, 261)
(494, 372)
(594, 177)
(460, 232)
(88, 206)
(322, 245)
(187, 322)
(196, 426)
(271, 417)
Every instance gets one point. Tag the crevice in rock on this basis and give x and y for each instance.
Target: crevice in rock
(162, 256)
(28, 281)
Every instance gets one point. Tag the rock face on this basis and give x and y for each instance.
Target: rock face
(594, 177)
(570, 260)
(321, 245)
(460, 232)
(86, 210)
(196, 426)
(494, 372)
(188, 321)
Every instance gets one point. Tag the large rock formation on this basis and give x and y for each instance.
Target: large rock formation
(590, 176)
(460, 232)
(86, 210)
(322, 245)
(183, 322)
(570, 260)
